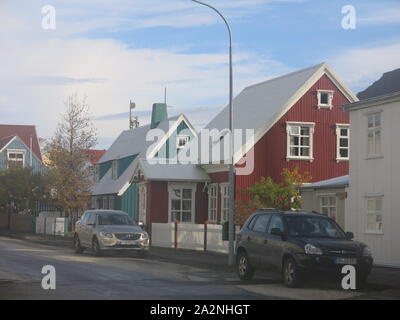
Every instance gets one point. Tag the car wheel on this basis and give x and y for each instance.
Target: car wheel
(96, 247)
(290, 273)
(77, 244)
(244, 268)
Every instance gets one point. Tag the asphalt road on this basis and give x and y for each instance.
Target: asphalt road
(130, 277)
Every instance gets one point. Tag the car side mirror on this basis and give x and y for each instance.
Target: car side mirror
(141, 224)
(349, 235)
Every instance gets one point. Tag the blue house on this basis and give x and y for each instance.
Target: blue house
(19, 147)
(126, 181)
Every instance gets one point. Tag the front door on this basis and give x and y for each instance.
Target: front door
(142, 203)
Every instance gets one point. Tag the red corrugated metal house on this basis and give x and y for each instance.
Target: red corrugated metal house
(297, 121)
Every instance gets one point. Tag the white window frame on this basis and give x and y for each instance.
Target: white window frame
(328, 105)
(16, 151)
(224, 209)
(329, 206)
(373, 130)
(181, 186)
(339, 127)
(373, 212)
(289, 126)
(213, 195)
(114, 169)
(178, 137)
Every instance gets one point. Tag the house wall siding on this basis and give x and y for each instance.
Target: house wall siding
(270, 150)
(18, 145)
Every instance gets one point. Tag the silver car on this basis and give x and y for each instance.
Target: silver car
(105, 230)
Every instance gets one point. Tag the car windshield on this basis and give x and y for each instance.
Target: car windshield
(115, 219)
(313, 227)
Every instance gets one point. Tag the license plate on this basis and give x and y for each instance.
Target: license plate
(345, 261)
(128, 242)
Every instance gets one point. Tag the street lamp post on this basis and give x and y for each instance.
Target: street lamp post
(231, 164)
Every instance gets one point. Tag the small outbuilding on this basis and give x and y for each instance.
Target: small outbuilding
(326, 197)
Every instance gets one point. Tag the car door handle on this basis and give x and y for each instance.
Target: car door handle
(265, 241)
(248, 238)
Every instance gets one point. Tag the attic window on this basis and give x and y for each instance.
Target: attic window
(16, 159)
(181, 141)
(325, 98)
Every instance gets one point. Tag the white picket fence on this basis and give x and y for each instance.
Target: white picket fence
(51, 223)
(189, 236)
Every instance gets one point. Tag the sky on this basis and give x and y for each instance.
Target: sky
(114, 51)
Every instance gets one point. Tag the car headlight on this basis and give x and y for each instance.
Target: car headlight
(106, 235)
(144, 236)
(366, 251)
(311, 249)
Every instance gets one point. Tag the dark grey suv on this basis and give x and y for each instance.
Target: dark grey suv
(296, 243)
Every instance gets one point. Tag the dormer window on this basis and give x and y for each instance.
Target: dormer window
(325, 98)
(181, 141)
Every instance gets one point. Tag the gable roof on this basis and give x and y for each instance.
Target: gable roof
(388, 83)
(5, 141)
(24, 132)
(260, 106)
(132, 143)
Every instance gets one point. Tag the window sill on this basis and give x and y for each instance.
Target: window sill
(342, 160)
(377, 233)
(299, 158)
(374, 157)
(324, 106)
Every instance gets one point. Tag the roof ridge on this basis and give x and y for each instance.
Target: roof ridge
(285, 75)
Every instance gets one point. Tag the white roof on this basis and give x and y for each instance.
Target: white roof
(133, 141)
(330, 183)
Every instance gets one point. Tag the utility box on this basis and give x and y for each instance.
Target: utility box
(225, 231)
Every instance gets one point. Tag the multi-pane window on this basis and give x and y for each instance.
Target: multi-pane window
(342, 142)
(374, 134)
(15, 159)
(224, 201)
(114, 170)
(181, 141)
(328, 206)
(181, 204)
(300, 137)
(374, 214)
(212, 203)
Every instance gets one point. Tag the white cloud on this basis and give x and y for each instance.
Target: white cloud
(360, 67)
(40, 69)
